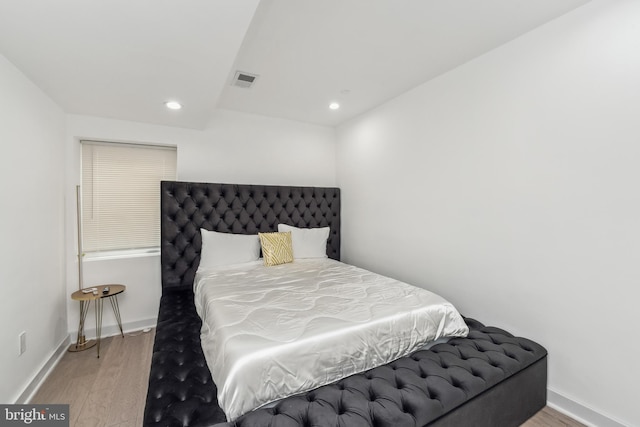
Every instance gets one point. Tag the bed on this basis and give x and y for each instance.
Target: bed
(488, 378)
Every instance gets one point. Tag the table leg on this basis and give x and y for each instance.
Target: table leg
(84, 309)
(116, 311)
(98, 322)
(82, 343)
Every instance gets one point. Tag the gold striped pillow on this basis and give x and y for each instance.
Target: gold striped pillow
(276, 248)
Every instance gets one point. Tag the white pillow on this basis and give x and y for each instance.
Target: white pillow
(226, 248)
(307, 242)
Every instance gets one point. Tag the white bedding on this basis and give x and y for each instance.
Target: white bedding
(271, 332)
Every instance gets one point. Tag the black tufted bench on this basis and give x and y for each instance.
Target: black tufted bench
(181, 391)
(490, 378)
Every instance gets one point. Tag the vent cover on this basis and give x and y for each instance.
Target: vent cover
(245, 80)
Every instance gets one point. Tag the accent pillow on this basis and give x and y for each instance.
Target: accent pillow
(276, 248)
(307, 242)
(226, 248)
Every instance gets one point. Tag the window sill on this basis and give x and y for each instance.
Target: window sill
(121, 254)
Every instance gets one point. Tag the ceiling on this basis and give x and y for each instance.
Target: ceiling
(123, 59)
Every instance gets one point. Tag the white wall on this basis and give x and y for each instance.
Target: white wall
(234, 148)
(510, 186)
(251, 149)
(32, 230)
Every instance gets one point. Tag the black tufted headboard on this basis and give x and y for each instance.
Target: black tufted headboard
(185, 207)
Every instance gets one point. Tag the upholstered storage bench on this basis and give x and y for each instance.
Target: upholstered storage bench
(490, 378)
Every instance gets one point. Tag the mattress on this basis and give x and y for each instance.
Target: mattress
(272, 332)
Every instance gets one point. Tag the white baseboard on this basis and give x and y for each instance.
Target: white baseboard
(112, 330)
(43, 372)
(579, 411)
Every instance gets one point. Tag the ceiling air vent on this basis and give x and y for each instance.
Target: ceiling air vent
(243, 79)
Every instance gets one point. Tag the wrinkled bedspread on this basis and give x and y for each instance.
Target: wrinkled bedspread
(272, 332)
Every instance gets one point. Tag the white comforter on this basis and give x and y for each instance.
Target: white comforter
(271, 332)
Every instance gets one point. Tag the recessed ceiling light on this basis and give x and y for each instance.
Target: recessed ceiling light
(173, 105)
(334, 105)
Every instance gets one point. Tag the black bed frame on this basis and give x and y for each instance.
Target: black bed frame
(489, 379)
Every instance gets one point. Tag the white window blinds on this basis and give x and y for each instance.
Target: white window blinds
(121, 194)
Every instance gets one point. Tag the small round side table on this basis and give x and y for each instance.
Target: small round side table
(85, 299)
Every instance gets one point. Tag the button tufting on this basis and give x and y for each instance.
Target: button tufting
(181, 391)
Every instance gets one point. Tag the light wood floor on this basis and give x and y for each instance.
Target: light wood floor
(111, 391)
(550, 417)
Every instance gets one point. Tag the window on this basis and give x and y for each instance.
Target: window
(121, 194)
